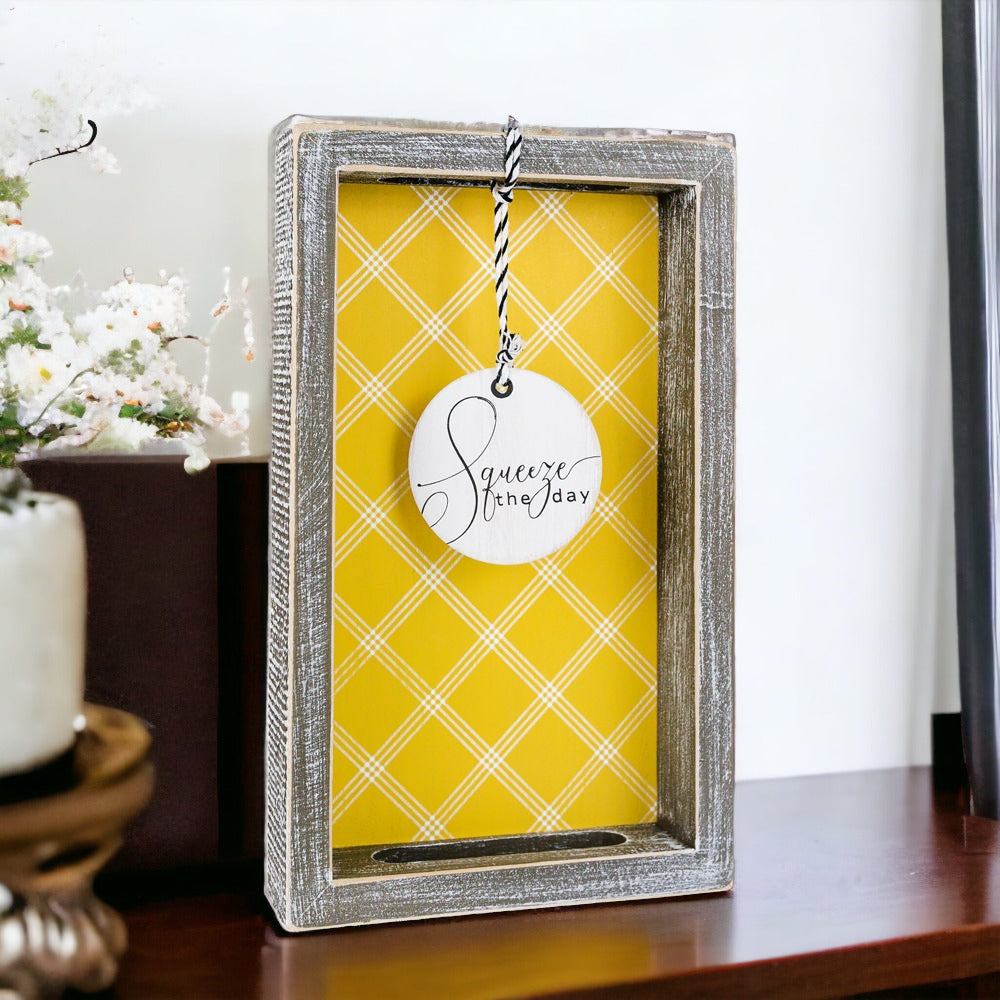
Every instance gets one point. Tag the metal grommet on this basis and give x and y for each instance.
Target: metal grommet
(495, 388)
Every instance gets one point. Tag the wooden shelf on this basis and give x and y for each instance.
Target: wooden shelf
(845, 884)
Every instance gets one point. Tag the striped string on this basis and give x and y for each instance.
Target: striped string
(503, 194)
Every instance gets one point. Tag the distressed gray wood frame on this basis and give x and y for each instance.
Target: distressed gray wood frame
(690, 847)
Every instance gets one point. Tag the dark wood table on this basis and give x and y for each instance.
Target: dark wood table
(845, 884)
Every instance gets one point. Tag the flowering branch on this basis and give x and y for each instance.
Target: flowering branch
(72, 149)
(122, 384)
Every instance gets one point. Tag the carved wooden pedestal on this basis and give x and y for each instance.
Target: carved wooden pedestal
(54, 933)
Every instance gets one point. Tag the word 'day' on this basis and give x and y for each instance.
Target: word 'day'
(505, 480)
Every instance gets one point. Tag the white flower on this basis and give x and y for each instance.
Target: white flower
(101, 159)
(109, 330)
(231, 424)
(161, 307)
(16, 165)
(122, 434)
(28, 369)
(196, 460)
(18, 243)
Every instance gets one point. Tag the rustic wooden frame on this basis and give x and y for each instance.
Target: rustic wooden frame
(690, 847)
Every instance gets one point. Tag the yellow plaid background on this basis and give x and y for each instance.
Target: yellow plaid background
(469, 699)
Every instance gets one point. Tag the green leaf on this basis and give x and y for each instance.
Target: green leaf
(8, 418)
(25, 335)
(13, 189)
(174, 408)
(74, 408)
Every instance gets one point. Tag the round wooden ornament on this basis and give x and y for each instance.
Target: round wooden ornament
(505, 479)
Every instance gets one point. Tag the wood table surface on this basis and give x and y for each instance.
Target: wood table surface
(845, 884)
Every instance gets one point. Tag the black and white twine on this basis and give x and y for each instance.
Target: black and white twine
(503, 194)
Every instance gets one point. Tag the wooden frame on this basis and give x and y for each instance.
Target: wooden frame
(689, 848)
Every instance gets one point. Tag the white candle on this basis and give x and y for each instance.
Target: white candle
(43, 585)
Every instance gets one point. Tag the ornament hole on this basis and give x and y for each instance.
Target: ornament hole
(498, 391)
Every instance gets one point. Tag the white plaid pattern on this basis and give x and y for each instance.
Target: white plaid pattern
(374, 641)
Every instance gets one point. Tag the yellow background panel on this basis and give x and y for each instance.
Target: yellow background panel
(474, 700)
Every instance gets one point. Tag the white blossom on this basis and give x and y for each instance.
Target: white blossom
(101, 159)
(20, 244)
(196, 460)
(121, 434)
(46, 121)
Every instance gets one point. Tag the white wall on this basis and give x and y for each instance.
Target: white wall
(845, 632)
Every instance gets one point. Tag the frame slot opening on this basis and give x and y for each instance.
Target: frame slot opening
(497, 846)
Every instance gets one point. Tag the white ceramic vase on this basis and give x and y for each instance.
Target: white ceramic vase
(43, 586)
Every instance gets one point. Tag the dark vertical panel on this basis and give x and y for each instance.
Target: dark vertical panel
(242, 554)
(974, 499)
(947, 759)
(152, 645)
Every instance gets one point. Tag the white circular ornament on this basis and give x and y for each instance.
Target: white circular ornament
(505, 480)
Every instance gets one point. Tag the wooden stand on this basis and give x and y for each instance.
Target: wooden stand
(54, 933)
